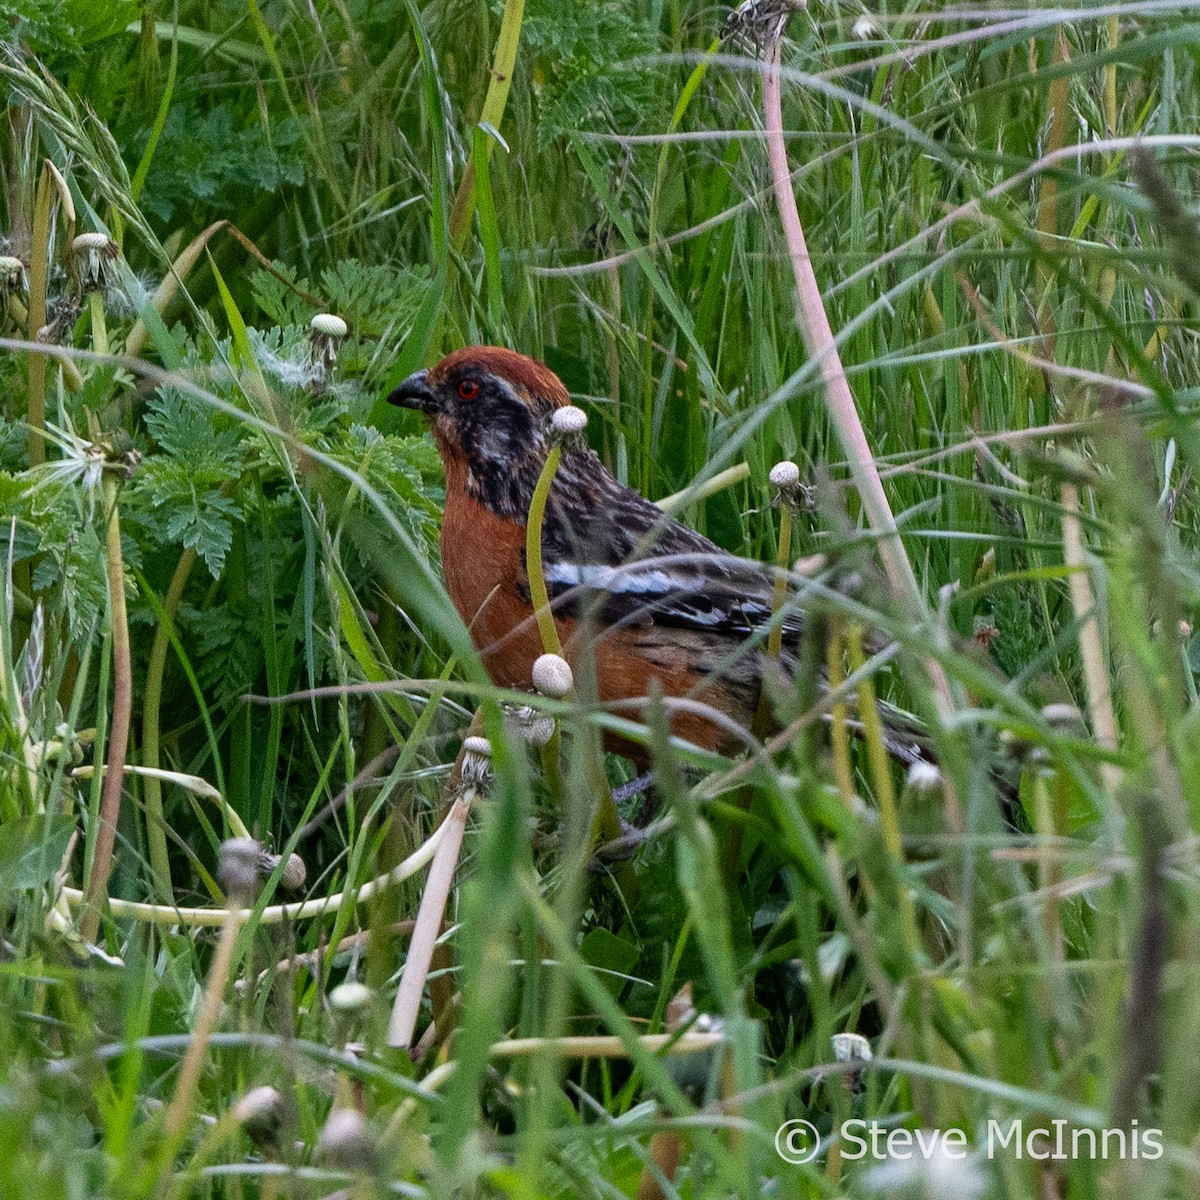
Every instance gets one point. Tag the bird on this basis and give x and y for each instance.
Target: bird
(661, 608)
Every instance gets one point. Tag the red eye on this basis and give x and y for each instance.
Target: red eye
(468, 389)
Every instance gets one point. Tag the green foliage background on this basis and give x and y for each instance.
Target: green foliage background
(1015, 304)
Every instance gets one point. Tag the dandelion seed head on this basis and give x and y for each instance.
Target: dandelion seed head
(328, 325)
(924, 777)
(785, 475)
(851, 1047)
(350, 996)
(569, 420)
(552, 676)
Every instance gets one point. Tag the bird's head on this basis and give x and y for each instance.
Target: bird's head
(489, 409)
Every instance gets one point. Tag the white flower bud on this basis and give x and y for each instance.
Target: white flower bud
(552, 676)
(569, 420)
(539, 731)
(851, 1047)
(12, 273)
(345, 1142)
(924, 777)
(328, 325)
(350, 997)
(294, 871)
(260, 1113)
(531, 726)
(865, 28)
(785, 475)
(479, 746)
(237, 867)
(93, 252)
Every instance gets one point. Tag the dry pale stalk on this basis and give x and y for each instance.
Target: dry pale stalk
(122, 714)
(1095, 669)
(819, 341)
(428, 927)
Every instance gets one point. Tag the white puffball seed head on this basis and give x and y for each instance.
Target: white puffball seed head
(260, 1112)
(345, 1142)
(539, 731)
(89, 242)
(12, 272)
(569, 420)
(350, 997)
(237, 867)
(924, 777)
(552, 676)
(93, 252)
(851, 1047)
(479, 746)
(864, 28)
(1063, 718)
(785, 475)
(294, 873)
(328, 325)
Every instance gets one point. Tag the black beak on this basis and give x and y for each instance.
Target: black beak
(415, 392)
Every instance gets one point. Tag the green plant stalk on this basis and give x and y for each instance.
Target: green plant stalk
(39, 268)
(180, 1108)
(99, 324)
(885, 792)
(731, 848)
(494, 104)
(1058, 98)
(779, 594)
(533, 554)
(118, 740)
(1097, 684)
(839, 734)
(608, 821)
(677, 501)
(156, 835)
(551, 757)
(1109, 96)
(1049, 871)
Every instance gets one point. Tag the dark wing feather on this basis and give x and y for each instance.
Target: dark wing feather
(609, 553)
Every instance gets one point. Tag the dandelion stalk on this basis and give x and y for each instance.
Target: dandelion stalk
(118, 740)
(819, 341)
(1097, 686)
(99, 324)
(275, 914)
(839, 734)
(156, 835)
(474, 761)
(885, 792)
(39, 270)
(237, 870)
(567, 422)
(533, 554)
(785, 479)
